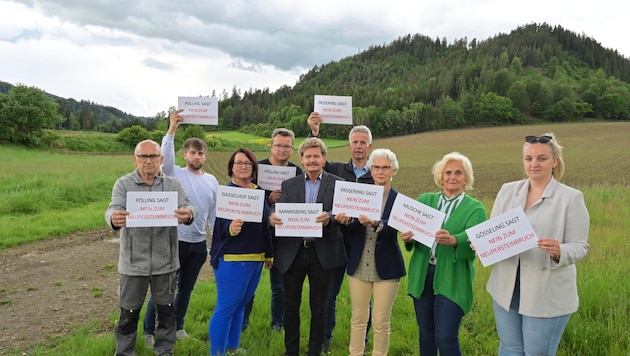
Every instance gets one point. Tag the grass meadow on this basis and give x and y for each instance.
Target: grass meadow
(47, 195)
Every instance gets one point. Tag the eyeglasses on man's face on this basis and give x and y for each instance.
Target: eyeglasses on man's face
(147, 157)
(282, 147)
(243, 164)
(535, 139)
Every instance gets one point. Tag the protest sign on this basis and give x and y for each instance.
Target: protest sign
(151, 209)
(334, 109)
(202, 110)
(410, 215)
(502, 237)
(298, 220)
(271, 177)
(240, 203)
(356, 199)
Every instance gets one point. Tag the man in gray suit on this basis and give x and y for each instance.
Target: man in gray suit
(298, 257)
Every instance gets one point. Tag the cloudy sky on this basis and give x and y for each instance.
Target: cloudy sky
(140, 55)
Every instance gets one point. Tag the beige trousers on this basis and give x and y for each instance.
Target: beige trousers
(360, 294)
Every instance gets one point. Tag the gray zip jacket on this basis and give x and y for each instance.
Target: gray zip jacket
(146, 251)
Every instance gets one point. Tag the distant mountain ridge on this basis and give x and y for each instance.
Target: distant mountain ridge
(416, 84)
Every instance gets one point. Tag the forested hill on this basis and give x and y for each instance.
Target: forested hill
(537, 72)
(415, 84)
(87, 115)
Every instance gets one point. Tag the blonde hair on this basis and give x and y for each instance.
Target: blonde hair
(556, 151)
(440, 166)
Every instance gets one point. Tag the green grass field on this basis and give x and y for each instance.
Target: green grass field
(47, 195)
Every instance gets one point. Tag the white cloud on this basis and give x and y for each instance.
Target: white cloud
(139, 56)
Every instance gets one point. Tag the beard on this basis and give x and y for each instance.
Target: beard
(194, 166)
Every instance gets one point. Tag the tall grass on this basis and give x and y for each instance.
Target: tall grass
(54, 194)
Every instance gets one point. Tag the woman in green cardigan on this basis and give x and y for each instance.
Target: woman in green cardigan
(441, 276)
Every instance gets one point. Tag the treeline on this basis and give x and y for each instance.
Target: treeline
(85, 115)
(417, 84)
(535, 73)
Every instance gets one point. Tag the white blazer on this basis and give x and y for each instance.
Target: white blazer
(548, 289)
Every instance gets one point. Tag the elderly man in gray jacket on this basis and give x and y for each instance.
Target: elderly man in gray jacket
(148, 255)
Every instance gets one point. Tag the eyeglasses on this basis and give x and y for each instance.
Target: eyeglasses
(283, 147)
(381, 168)
(146, 157)
(541, 139)
(246, 164)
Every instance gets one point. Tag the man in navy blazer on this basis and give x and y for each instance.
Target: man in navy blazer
(298, 257)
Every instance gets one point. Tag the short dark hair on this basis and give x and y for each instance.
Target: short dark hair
(250, 155)
(196, 143)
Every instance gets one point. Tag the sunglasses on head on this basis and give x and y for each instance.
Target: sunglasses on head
(541, 139)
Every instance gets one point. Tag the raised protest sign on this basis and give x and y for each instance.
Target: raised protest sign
(334, 109)
(200, 110)
(240, 203)
(410, 215)
(356, 199)
(502, 237)
(271, 177)
(151, 209)
(298, 220)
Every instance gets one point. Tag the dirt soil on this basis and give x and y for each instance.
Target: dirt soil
(50, 288)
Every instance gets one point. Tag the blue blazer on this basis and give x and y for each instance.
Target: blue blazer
(389, 260)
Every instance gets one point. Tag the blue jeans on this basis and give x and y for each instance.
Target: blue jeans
(192, 256)
(236, 283)
(438, 320)
(521, 335)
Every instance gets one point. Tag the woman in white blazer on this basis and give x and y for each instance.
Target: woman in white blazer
(535, 293)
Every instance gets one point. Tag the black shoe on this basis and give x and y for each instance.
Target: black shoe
(326, 345)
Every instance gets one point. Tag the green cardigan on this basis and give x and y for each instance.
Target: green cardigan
(455, 267)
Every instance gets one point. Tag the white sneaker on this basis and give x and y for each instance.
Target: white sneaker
(181, 334)
(149, 340)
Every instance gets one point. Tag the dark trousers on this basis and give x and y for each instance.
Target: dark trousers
(438, 320)
(277, 301)
(192, 256)
(336, 280)
(306, 264)
(277, 298)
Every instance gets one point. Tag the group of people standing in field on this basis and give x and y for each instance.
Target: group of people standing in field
(534, 293)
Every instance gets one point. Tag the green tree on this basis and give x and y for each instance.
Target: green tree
(493, 109)
(24, 113)
(134, 134)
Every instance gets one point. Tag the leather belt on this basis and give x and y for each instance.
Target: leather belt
(308, 243)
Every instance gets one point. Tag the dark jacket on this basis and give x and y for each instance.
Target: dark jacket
(254, 238)
(331, 251)
(389, 260)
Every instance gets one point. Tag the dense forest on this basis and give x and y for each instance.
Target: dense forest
(535, 73)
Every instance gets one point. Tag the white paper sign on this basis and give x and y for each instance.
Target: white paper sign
(298, 220)
(502, 237)
(200, 110)
(150, 209)
(356, 199)
(240, 203)
(271, 177)
(334, 109)
(411, 215)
